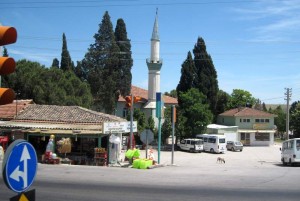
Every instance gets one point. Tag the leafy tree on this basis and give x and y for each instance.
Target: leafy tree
(66, 61)
(125, 59)
(151, 123)
(223, 99)
(280, 120)
(206, 79)
(55, 63)
(173, 93)
(295, 120)
(264, 108)
(240, 98)
(187, 79)
(101, 63)
(49, 86)
(5, 53)
(195, 109)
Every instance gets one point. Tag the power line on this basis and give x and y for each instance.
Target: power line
(71, 4)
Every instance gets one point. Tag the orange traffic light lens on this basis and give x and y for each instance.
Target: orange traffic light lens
(7, 96)
(7, 65)
(8, 35)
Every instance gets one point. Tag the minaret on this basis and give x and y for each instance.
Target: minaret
(154, 65)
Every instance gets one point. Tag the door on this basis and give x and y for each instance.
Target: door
(245, 138)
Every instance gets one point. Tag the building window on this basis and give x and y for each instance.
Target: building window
(262, 136)
(245, 120)
(267, 120)
(262, 120)
(125, 112)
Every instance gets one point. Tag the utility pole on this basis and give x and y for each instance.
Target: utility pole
(288, 95)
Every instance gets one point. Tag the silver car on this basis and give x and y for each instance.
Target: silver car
(234, 146)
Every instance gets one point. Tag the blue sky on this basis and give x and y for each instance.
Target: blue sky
(254, 45)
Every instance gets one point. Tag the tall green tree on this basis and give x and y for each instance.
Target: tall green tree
(206, 79)
(101, 63)
(55, 63)
(5, 53)
(66, 61)
(295, 118)
(125, 59)
(280, 120)
(241, 98)
(187, 78)
(197, 112)
(222, 102)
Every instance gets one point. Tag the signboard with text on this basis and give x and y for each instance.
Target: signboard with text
(119, 127)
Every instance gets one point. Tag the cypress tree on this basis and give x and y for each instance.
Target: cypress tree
(187, 78)
(55, 63)
(125, 59)
(206, 80)
(66, 62)
(5, 53)
(101, 63)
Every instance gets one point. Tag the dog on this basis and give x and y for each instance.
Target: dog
(220, 160)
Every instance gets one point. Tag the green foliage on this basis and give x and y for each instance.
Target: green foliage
(55, 63)
(295, 119)
(222, 102)
(196, 111)
(240, 98)
(151, 123)
(173, 93)
(206, 75)
(125, 59)
(188, 74)
(139, 116)
(5, 53)
(49, 86)
(101, 65)
(280, 120)
(66, 61)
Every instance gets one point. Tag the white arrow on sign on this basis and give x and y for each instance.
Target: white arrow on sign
(16, 174)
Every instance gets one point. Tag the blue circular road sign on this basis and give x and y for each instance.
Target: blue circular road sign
(19, 166)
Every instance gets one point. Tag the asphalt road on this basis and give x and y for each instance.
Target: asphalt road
(254, 174)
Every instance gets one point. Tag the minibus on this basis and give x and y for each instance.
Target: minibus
(290, 151)
(213, 143)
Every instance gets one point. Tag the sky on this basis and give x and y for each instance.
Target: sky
(254, 44)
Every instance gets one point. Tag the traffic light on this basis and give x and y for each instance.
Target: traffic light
(137, 99)
(8, 35)
(128, 101)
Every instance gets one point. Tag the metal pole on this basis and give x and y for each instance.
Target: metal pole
(131, 122)
(173, 131)
(146, 143)
(159, 139)
(288, 95)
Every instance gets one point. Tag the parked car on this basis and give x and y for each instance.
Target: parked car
(191, 145)
(234, 146)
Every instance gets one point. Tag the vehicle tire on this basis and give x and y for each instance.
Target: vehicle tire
(212, 150)
(232, 148)
(283, 162)
(241, 150)
(192, 150)
(290, 163)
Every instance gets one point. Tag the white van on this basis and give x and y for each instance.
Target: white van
(290, 151)
(191, 145)
(213, 143)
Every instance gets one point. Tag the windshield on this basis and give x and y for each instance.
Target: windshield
(222, 140)
(238, 143)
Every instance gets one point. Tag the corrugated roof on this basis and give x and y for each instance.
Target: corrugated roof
(246, 112)
(143, 93)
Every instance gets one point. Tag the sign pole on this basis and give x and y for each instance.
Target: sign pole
(131, 120)
(173, 131)
(158, 115)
